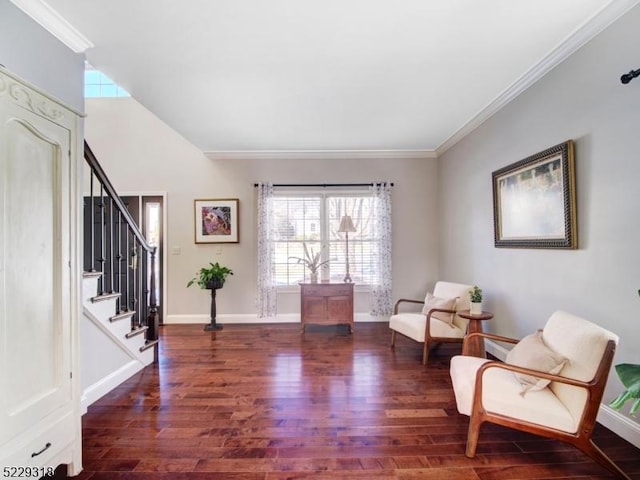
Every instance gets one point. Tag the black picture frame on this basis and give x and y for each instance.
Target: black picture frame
(216, 220)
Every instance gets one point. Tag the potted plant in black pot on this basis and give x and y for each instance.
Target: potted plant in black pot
(211, 278)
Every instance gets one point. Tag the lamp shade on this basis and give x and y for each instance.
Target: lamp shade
(346, 225)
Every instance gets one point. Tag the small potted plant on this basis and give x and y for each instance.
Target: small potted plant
(475, 297)
(312, 260)
(211, 277)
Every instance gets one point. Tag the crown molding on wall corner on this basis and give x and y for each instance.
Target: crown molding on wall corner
(55, 24)
(319, 154)
(583, 34)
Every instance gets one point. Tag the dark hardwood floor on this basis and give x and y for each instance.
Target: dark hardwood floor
(263, 402)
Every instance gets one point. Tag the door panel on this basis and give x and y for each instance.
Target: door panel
(34, 270)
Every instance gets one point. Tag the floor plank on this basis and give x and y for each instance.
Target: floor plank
(265, 402)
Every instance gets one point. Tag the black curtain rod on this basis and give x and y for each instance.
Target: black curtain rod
(323, 185)
(627, 77)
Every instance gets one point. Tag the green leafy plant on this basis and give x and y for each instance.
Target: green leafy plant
(312, 260)
(629, 375)
(475, 294)
(213, 274)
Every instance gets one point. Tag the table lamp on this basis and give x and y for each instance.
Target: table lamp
(346, 226)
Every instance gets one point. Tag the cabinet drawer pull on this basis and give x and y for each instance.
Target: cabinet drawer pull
(46, 447)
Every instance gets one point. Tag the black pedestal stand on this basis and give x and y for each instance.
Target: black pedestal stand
(213, 326)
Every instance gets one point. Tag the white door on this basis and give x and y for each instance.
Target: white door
(35, 337)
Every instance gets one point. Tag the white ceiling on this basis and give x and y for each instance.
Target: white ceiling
(279, 75)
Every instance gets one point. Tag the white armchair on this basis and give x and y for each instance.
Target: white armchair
(438, 321)
(551, 385)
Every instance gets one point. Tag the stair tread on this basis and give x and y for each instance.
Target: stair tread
(122, 315)
(136, 331)
(105, 296)
(149, 344)
(92, 274)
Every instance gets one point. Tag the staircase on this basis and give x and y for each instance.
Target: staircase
(119, 311)
(112, 351)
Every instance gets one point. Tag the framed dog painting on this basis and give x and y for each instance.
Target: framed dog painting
(216, 220)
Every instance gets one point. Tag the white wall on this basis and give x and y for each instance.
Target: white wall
(130, 142)
(582, 99)
(34, 54)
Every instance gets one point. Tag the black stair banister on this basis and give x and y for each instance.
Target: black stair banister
(115, 246)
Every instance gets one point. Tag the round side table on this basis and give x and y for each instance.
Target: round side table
(476, 344)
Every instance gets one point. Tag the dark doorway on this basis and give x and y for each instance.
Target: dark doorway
(148, 212)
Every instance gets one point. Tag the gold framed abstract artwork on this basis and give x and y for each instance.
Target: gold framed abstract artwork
(534, 201)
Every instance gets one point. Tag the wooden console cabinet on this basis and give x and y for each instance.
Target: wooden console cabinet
(326, 304)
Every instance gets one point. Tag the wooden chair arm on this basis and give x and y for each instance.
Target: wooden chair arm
(405, 300)
(490, 336)
(434, 310)
(530, 371)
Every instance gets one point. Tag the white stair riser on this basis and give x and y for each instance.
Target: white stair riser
(114, 335)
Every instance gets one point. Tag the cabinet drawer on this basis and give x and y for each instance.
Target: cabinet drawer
(58, 434)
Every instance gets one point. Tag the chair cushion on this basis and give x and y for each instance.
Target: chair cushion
(413, 325)
(583, 343)
(461, 292)
(501, 395)
(531, 352)
(431, 301)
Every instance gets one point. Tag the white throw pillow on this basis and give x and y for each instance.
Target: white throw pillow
(436, 302)
(531, 352)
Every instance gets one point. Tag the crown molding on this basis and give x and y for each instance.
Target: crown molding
(318, 154)
(55, 24)
(579, 37)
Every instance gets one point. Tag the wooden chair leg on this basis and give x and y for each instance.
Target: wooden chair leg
(602, 459)
(425, 353)
(472, 435)
(393, 338)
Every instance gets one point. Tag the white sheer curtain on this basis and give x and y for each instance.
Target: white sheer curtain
(266, 301)
(381, 294)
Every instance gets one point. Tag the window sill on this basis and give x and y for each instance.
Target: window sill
(295, 289)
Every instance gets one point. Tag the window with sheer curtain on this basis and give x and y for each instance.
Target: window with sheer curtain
(288, 220)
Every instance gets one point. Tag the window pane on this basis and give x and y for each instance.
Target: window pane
(297, 220)
(92, 77)
(97, 84)
(109, 91)
(315, 220)
(91, 91)
(362, 244)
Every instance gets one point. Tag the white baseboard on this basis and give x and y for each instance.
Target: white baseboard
(495, 349)
(108, 383)
(619, 424)
(253, 318)
(607, 416)
(366, 317)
